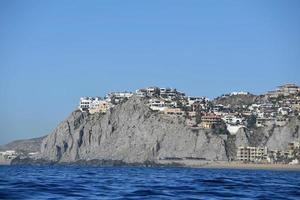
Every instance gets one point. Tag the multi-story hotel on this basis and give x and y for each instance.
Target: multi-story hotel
(209, 120)
(251, 154)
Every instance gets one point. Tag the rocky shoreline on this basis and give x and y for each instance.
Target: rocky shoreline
(164, 163)
(94, 163)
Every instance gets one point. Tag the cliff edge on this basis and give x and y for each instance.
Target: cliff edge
(130, 133)
(133, 134)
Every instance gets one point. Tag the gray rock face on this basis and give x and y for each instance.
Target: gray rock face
(234, 141)
(241, 138)
(275, 137)
(279, 137)
(131, 133)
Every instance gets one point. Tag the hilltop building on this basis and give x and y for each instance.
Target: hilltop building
(156, 92)
(169, 101)
(117, 97)
(193, 100)
(157, 104)
(87, 102)
(100, 107)
(209, 120)
(93, 105)
(239, 93)
(284, 90)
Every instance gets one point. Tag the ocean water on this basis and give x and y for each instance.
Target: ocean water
(58, 182)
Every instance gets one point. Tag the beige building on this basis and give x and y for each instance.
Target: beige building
(209, 120)
(288, 89)
(100, 107)
(285, 90)
(251, 154)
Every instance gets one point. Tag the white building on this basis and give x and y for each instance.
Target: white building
(94, 105)
(157, 104)
(284, 110)
(192, 100)
(141, 92)
(118, 97)
(233, 129)
(170, 94)
(233, 120)
(87, 102)
(294, 162)
(254, 108)
(238, 93)
(9, 154)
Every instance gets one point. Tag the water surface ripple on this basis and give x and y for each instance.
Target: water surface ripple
(59, 182)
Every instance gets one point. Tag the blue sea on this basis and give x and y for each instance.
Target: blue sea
(69, 182)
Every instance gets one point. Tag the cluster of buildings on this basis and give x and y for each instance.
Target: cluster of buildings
(273, 108)
(284, 90)
(7, 156)
(102, 105)
(160, 99)
(235, 93)
(264, 155)
(93, 104)
(168, 101)
(278, 106)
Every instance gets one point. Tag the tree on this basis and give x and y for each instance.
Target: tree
(251, 121)
(220, 128)
(198, 118)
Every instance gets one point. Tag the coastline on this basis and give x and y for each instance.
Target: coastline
(233, 165)
(187, 163)
(251, 166)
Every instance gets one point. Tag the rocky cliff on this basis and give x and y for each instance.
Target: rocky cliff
(275, 137)
(131, 133)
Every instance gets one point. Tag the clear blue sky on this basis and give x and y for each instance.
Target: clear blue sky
(53, 52)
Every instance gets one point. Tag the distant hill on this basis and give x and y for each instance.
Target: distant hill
(236, 100)
(29, 145)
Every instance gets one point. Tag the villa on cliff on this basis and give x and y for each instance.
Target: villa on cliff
(93, 105)
(87, 102)
(209, 120)
(117, 97)
(284, 90)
